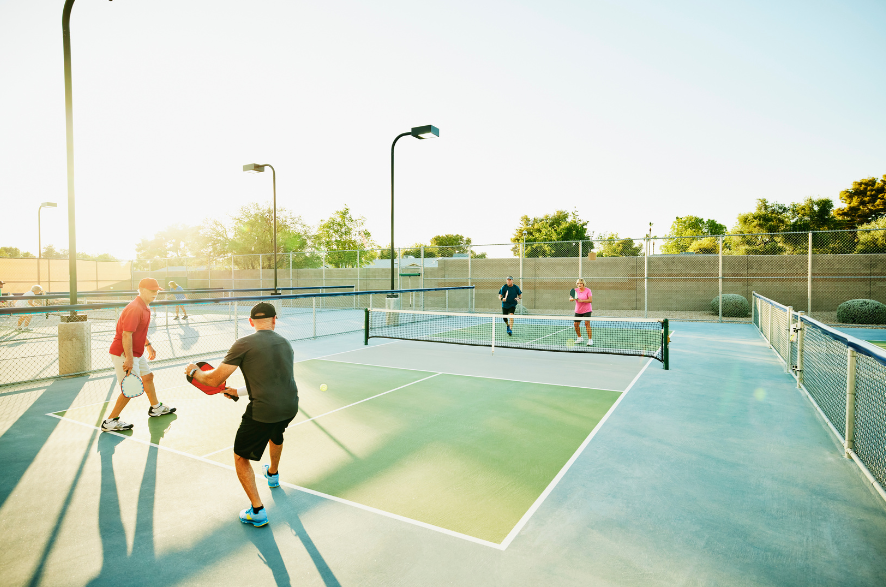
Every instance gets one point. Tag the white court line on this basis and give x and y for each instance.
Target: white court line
(519, 526)
(343, 352)
(475, 376)
(360, 506)
(343, 407)
(547, 335)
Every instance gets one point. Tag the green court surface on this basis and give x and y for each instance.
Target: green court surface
(464, 454)
(879, 343)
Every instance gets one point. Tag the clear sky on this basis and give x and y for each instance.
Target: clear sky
(630, 111)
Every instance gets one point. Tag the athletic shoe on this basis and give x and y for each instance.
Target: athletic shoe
(114, 425)
(273, 480)
(160, 410)
(510, 333)
(186, 316)
(590, 342)
(578, 340)
(26, 329)
(248, 516)
(176, 318)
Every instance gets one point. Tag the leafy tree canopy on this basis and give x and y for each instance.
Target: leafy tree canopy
(864, 201)
(171, 242)
(614, 246)
(552, 228)
(687, 230)
(872, 242)
(342, 236)
(14, 253)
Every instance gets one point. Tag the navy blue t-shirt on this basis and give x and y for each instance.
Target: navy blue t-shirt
(512, 292)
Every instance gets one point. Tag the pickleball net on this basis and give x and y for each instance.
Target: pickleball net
(633, 337)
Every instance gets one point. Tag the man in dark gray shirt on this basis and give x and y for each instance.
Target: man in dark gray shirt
(266, 360)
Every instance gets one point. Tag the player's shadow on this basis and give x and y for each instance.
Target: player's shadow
(269, 553)
(188, 336)
(286, 509)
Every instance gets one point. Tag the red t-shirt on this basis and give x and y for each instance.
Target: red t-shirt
(135, 318)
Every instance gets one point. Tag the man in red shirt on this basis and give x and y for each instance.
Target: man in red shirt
(127, 353)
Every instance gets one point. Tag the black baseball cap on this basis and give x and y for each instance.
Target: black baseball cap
(263, 310)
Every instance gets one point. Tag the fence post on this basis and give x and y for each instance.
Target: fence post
(581, 258)
(850, 403)
(209, 273)
(522, 252)
(720, 284)
(290, 270)
(422, 277)
(233, 281)
(800, 336)
(96, 272)
(358, 270)
(314, 316)
(646, 280)
(261, 274)
(236, 321)
(809, 279)
(769, 325)
(787, 341)
(469, 265)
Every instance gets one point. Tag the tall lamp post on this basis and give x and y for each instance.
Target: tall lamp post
(420, 132)
(39, 236)
(259, 168)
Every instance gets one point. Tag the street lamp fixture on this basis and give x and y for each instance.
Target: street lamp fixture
(427, 131)
(260, 168)
(39, 236)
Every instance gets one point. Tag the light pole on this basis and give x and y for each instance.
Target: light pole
(39, 236)
(419, 132)
(259, 168)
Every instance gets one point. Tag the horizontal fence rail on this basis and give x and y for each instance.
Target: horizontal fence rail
(843, 376)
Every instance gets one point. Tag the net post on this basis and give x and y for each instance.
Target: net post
(665, 355)
(800, 335)
(720, 284)
(850, 404)
(365, 326)
(646, 282)
(787, 342)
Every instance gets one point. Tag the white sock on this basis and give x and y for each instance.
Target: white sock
(157, 406)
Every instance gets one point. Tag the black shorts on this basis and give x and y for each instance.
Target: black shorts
(582, 315)
(508, 310)
(252, 437)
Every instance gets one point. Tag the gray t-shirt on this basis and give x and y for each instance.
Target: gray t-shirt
(266, 359)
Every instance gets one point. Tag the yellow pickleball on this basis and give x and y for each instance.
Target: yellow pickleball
(323, 387)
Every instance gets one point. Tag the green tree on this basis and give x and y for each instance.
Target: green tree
(812, 214)
(50, 252)
(552, 228)
(174, 241)
(342, 235)
(250, 233)
(14, 253)
(873, 240)
(447, 245)
(705, 246)
(759, 230)
(614, 246)
(864, 201)
(687, 230)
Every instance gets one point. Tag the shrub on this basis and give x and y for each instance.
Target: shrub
(861, 312)
(734, 306)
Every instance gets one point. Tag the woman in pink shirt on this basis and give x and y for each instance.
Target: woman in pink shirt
(583, 309)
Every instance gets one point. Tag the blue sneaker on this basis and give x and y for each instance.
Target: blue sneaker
(509, 331)
(248, 516)
(273, 480)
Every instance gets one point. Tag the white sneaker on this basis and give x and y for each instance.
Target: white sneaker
(578, 340)
(114, 425)
(590, 342)
(160, 410)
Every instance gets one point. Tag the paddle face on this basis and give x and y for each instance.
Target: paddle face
(572, 293)
(208, 389)
(132, 386)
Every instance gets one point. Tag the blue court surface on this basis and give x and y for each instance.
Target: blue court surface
(439, 464)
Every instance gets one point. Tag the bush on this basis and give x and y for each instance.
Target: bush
(861, 312)
(734, 306)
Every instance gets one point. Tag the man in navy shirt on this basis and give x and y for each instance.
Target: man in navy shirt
(509, 294)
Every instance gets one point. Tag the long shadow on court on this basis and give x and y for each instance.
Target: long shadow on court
(291, 517)
(24, 440)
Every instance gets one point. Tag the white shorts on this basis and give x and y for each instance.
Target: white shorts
(139, 367)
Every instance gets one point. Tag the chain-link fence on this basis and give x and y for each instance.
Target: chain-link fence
(844, 377)
(40, 341)
(678, 278)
